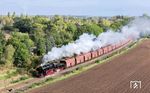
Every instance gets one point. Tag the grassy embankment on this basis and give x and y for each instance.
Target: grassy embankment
(85, 68)
(11, 76)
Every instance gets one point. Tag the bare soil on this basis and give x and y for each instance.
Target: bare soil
(110, 77)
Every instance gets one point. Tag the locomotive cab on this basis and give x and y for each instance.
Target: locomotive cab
(45, 70)
(58, 66)
(39, 71)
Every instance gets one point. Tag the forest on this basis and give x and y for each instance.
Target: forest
(25, 39)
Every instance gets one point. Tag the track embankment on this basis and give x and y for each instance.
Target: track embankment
(109, 77)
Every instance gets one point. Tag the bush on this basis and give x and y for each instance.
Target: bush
(22, 71)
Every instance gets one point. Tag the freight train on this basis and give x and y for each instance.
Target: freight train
(52, 67)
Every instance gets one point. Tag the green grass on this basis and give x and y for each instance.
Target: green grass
(8, 74)
(20, 79)
(54, 79)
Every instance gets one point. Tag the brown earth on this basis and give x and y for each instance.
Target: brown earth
(110, 77)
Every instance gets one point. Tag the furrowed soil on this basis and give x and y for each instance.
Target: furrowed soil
(110, 77)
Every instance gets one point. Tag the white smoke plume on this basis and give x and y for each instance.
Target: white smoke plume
(88, 42)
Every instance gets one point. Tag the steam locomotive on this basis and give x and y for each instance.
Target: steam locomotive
(56, 66)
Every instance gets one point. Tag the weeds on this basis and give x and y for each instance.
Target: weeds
(20, 79)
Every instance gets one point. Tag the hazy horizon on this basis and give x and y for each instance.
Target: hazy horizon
(76, 7)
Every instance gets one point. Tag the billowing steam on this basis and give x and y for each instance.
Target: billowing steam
(88, 42)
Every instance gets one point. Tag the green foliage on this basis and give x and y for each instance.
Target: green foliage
(22, 56)
(10, 74)
(88, 28)
(49, 42)
(8, 27)
(38, 36)
(2, 46)
(66, 37)
(22, 44)
(40, 20)
(35, 61)
(62, 38)
(57, 24)
(9, 53)
(23, 24)
(20, 79)
(41, 47)
(117, 25)
(105, 24)
(33, 36)
(18, 37)
(71, 28)
(94, 29)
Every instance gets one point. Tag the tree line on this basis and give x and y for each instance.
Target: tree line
(25, 39)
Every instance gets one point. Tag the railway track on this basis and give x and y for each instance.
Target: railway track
(111, 77)
(24, 85)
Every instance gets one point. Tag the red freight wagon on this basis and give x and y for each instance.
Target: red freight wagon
(118, 45)
(109, 48)
(105, 49)
(113, 47)
(94, 54)
(87, 56)
(127, 41)
(122, 43)
(79, 59)
(100, 52)
(69, 62)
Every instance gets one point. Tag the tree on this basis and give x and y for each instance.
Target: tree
(22, 44)
(9, 53)
(14, 14)
(18, 37)
(8, 14)
(41, 20)
(23, 24)
(58, 24)
(22, 56)
(88, 28)
(7, 21)
(41, 46)
(65, 37)
(94, 29)
(71, 28)
(146, 15)
(50, 42)
(2, 45)
(39, 37)
(116, 25)
(105, 24)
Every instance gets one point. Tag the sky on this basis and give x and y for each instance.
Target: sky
(76, 7)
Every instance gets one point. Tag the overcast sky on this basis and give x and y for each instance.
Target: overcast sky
(76, 7)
